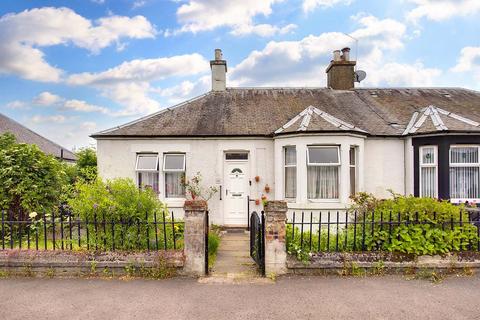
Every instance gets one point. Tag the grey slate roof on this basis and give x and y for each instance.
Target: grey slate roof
(261, 111)
(25, 135)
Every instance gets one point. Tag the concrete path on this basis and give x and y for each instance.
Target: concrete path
(233, 257)
(388, 297)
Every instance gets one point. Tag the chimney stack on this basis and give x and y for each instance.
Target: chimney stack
(340, 72)
(219, 72)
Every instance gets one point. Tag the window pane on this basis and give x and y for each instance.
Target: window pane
(236, 156)
(290, 182)
(148, 180)
(323, 155)
(322, 182)
(464, 155)
(428, 155)
(174, 187)
(147, 162)
(353, 183)
(174, 162)
(428, 182)
(353, 159)
(464, 183)
(290, 156)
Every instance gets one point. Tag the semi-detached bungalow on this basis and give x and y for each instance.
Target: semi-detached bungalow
(313, 147)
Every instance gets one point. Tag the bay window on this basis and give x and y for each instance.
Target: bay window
(428, 171)
(323, 170)
(290, 164)
(146, 168)
(174, 171)
(464, 173)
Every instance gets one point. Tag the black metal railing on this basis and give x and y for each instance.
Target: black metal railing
(257, 240)
(66, 231)
(344, 231)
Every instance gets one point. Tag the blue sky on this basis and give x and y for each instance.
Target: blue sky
(71, 68)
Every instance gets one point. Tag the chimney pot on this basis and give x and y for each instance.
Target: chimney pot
(336, 55)
(346, 54)
(218, 54)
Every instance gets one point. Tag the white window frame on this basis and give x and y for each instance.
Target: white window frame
(427, 165)
(323, 164)
(172, 170)
(460, 165)
(138, 171)
(146, 154)
(355, 166)
(285, 165)
(338, 164)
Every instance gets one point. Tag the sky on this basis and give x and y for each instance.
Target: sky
(75, 67)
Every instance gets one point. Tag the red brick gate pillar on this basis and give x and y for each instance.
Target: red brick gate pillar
(275, 232)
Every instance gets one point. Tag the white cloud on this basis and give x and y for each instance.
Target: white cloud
(129, 83)
(438, 10)
(398, 74)
(82, 106)
(185, 90)
(303, 62)
(310, 5)
(263, 30)
(22, 35)
(204, 15)
(46, 99)
(16, 104)
(138, 4)
(46, 119)
(469, 61)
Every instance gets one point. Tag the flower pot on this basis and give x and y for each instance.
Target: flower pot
(257, 202)
(257, 178)
(267, 188)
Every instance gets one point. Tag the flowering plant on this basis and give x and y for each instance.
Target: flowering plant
(196, 191)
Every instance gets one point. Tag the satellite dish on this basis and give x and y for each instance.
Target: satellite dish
(360, 75)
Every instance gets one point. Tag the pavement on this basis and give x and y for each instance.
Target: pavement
(386, 297)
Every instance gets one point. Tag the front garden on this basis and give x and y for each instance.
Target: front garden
(406, 226)
(48, 205)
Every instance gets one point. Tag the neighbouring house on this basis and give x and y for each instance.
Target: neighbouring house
(313, 147)
(25, 135)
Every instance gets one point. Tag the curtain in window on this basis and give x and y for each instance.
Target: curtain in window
(464, 173)
(148, 180)
(464, 182)
(428, 176)
(290, 182)
(174, 187)
(322, 182)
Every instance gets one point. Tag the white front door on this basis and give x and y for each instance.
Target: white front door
(236, 191)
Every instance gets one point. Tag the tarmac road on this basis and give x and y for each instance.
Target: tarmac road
(387, 297)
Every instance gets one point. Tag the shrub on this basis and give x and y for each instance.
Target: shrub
(131, 209)
(30, 179)
(402, 224)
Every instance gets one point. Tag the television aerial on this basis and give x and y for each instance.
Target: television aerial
(360, 75)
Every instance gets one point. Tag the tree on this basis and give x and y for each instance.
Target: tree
(30, 180)
(87, 164)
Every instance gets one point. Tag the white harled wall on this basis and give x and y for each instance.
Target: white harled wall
(385, 166)
(381, 165)
(116, 158)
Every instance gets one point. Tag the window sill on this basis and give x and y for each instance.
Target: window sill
(460, 201)
(174, 202)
